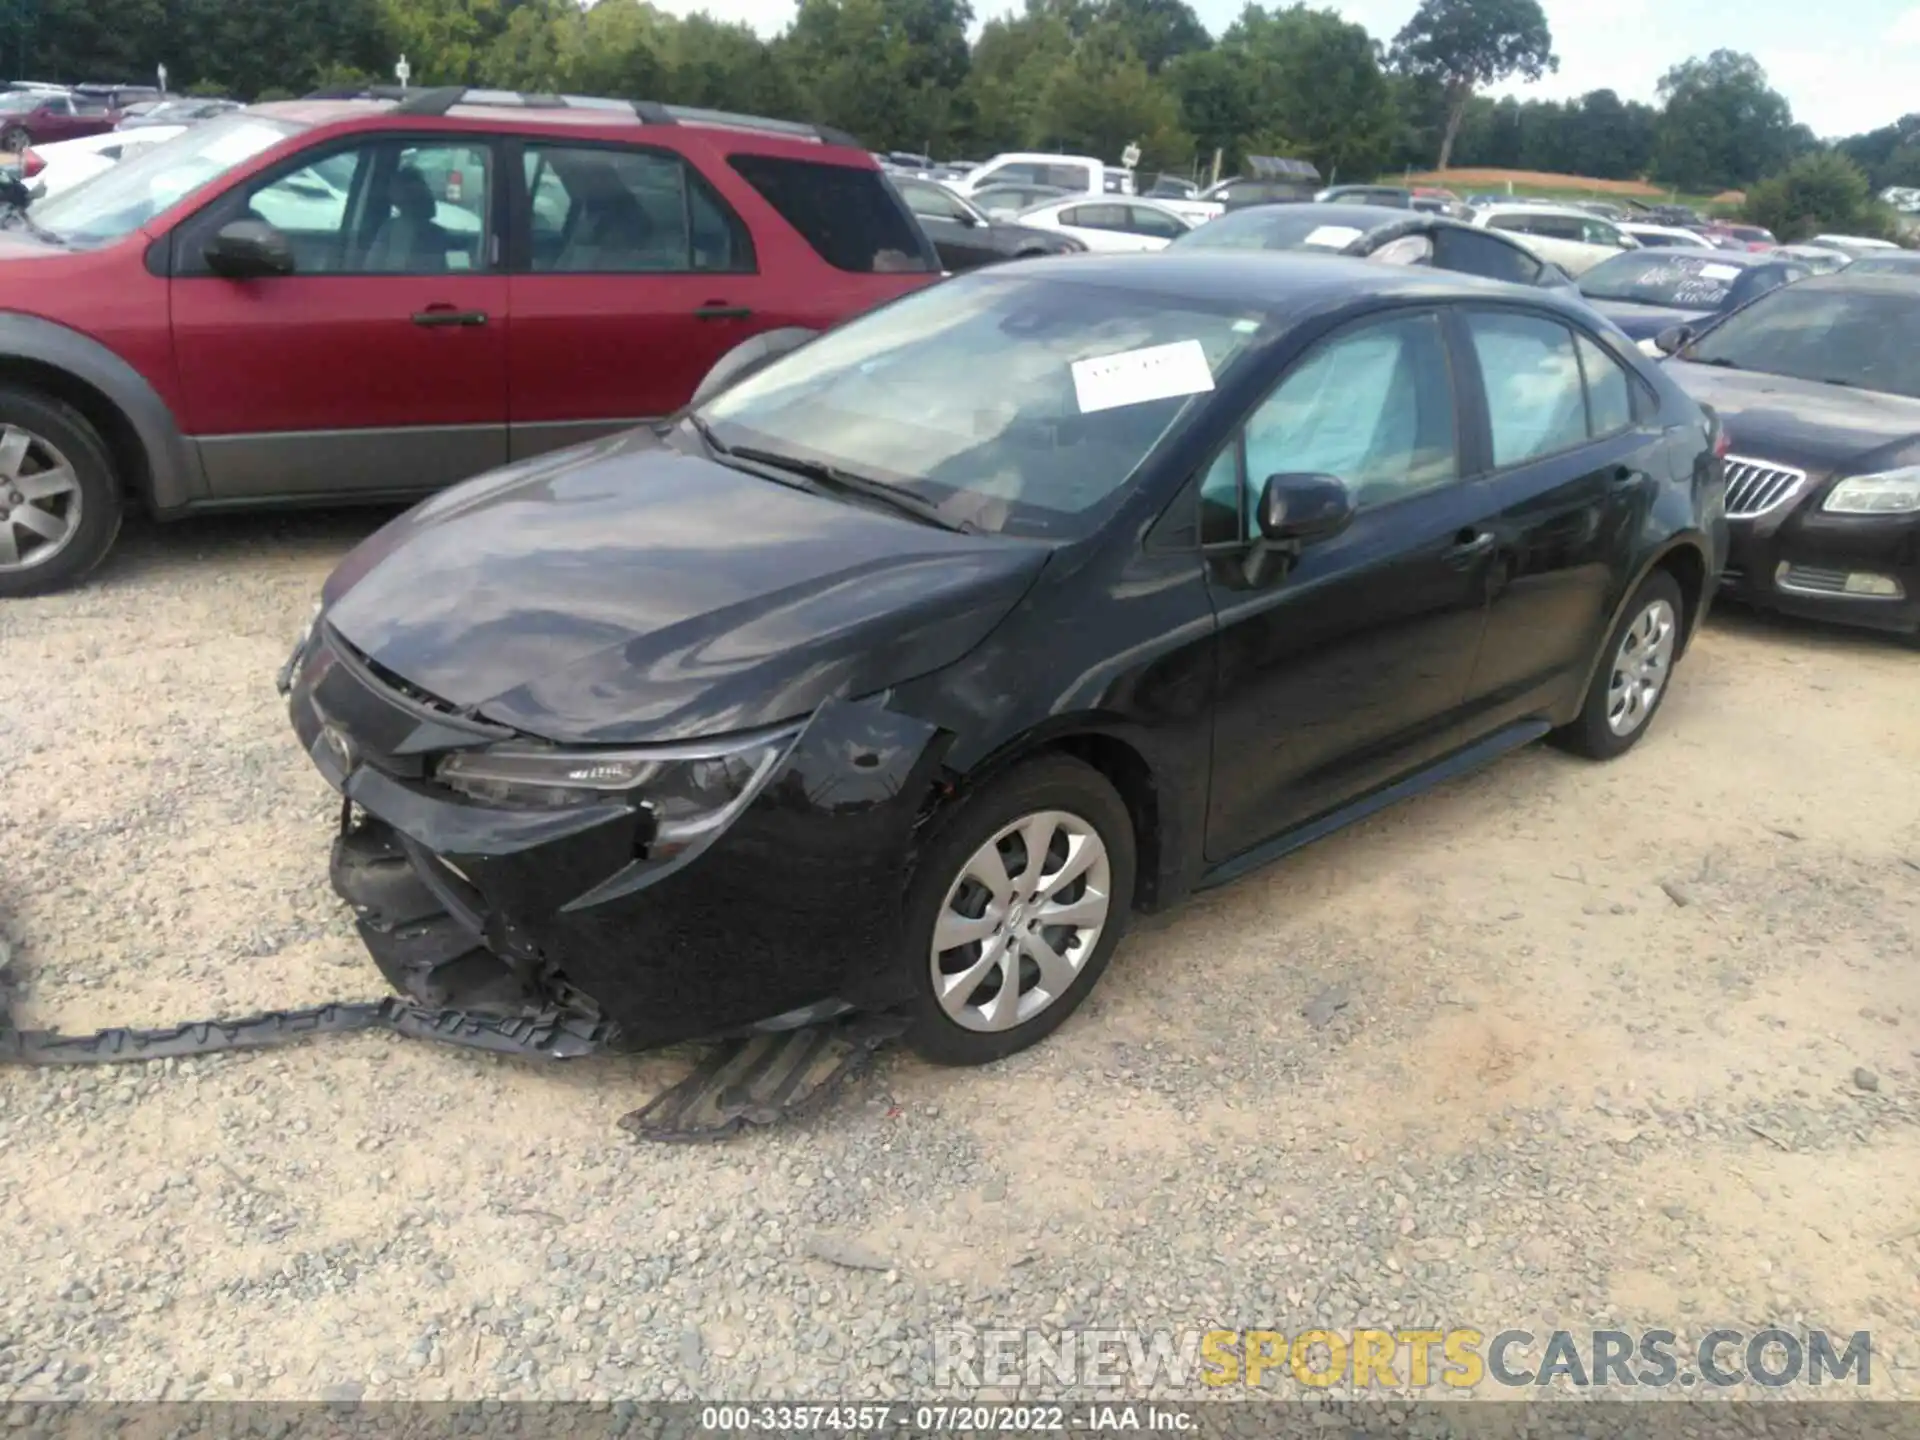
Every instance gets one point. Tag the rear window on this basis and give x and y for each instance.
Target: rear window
(1685, 279)
(851, 217)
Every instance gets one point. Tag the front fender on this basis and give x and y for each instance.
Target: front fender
(173, 477)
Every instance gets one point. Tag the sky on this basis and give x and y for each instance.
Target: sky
(1845, 65)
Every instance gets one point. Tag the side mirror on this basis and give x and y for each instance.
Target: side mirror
(1299, 509)
(249, 250)
(1673, 338)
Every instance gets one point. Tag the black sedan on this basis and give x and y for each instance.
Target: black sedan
(966, 238)
(1819, 388)
(1645, 293)
(1376, 232)
(900, 673)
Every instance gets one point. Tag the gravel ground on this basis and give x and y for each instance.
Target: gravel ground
(1558, 1046)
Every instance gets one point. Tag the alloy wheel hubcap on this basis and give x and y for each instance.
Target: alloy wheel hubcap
(1640, 668)
(1020, 921)
(39, 499)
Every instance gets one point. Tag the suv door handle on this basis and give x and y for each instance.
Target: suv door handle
(1468, 546)
(720, 310)
(447, 315)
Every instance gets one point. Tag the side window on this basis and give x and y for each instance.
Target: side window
(1066, 177)
(1096, 217)
(1471, 253)
(600, 210)
(1531, 373)
(1014, 172)
(1146, 221)
(1508, 222)
(1373, 406)
(1598, 232)
(1609, 390)
(849, 215)
(932, 202)
(393, 208)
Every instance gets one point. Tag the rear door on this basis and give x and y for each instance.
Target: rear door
(631, 275)
(1350, 668)
(379, 364)
(1572, 452)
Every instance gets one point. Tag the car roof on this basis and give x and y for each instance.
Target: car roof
(1279, 282)
(1538, 207)
(1739, 259)
(517, 110)
(1872, 281)
(1358, 217)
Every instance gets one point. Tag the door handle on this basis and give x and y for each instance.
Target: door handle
(447, 315)
(720, 310)
(1468, 546)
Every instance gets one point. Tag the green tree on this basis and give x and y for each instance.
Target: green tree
(1723, 125)
(1158, 30)
(1014, 60)
(1816, 193)
(725, 67)
(1469, 44)
(889, 71)
(1218, 102)
(1102, 99)
(1318, 89)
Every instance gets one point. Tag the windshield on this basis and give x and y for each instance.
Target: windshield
(1845, 337)
(1015, 405)
(119, 202)
(1684, 281)
(1288, 227)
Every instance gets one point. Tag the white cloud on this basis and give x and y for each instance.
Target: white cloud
(1905, 29)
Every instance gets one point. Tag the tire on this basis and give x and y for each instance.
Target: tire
(14, 139)
(1071, 804)
(59, 443)
(1612, 723)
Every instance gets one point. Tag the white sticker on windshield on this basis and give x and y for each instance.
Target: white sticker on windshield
(1719, 272)
(1332, 237)
(1133, 377)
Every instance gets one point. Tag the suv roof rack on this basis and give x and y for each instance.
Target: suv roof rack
(438, 100)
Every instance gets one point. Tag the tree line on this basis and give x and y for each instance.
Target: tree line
(1085, 76)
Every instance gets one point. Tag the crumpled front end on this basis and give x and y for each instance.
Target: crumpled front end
(789, 912)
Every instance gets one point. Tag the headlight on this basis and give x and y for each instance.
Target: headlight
(1894, 492)
(690, 790)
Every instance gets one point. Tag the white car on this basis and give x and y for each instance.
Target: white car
(1666, 237)
(1572, 239)
(1852, 244)
(64, 164)
(1110, 226)
(1080, 174)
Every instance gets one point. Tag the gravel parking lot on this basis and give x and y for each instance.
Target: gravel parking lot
(1560, 1045)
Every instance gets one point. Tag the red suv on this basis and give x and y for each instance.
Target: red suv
(366, 299)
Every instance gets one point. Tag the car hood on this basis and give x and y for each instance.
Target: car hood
(623, 592)
(1643, 322)
(1804, 423)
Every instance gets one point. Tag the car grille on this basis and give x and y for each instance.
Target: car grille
(1755, 487)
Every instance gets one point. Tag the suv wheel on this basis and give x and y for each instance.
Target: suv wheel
(1635, 670)
(59, 497)
(1014, 910)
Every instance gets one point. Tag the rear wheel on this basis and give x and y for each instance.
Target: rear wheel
(60, 504)
(1635, 670)
(1015, 909)
(15, 139)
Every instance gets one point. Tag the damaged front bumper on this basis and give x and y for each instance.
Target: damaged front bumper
(789, 915)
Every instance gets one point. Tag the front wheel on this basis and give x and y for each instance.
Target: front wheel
(59, 496)
(14, 140)
(1015, 909)
(1634, 674)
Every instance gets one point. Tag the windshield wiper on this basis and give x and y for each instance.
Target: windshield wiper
(705, 432)
(832, 477)
(1721, 361)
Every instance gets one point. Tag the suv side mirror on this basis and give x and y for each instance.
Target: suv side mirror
(249, 250)
(1299, 509)
(1673, 338)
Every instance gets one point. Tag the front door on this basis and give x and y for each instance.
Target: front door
(380, 363)
(1351, 667)
(632, 277)
(1572, 467)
